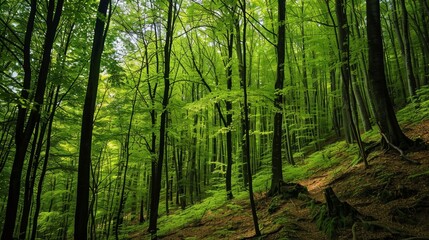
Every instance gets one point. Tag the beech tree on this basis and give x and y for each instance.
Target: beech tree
(277, 169)
(27, 122)
(157, 165)
(377, 87)
(84, 166)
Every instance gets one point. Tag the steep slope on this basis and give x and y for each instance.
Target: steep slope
(393, 194)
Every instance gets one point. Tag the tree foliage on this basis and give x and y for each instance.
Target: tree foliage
(168, 122)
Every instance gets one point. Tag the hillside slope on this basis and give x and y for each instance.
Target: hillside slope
(393, 193)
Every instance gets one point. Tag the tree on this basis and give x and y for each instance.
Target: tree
(377, 87)
(241, 51)
(25, 125)
(343, 42)
(83, 182)
(276, 158)
(404, 40)
(157, 171)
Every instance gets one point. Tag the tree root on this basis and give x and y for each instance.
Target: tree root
(401, 153)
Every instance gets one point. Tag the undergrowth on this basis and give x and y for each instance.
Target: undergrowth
(328, 157)
(417, 110)
(331, 156)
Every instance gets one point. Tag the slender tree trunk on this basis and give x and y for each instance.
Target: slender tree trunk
(167, 184)
(127, 158)
(424, 6)
(412, 83)
(276, 155)
(82, 198)
(361, 105)
(343, 30)
(157, 174)
(228, 103)
(23, 135)
(241, 48)
(44, 167)
(307, 103)
(33, 163)
(30, 178)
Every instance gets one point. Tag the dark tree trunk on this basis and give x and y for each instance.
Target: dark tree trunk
(157, 171)
(141, 218)
(24, 131)
(44, 167)
(167, 183)
(228, 176)
(336, 119)
(241, 50)
(343, 42)
(412, 83)
(276, 155)
(127, 158)
(307, 103)
(377, 86)
(33, 163)
(361, 105)
(425, 38)
(83, 181)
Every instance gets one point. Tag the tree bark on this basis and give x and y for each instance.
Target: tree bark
(412, 83)
(377, 86)
(24, 130)
(44, 167)
(127, 158)
(33, 163)
(83, 181)
(276, 154)
(241, 48)
(228, 104)
(343, 44)
(157, 171)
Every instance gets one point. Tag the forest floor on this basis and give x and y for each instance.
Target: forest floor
(393, 193)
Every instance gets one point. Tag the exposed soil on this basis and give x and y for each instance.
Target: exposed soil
(394, 192)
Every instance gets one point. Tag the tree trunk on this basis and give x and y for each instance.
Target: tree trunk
(44, 167)
(343, 41)
(424, 24)
(361, 105)
(228, 103)
(157, 174)
(276, 155)
(33, 163)
(82, 198)
(127, 157)
(412, 83)
(377, 86)
(23, 134)
(241, 50)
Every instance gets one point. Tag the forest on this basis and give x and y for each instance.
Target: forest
(214, 119)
